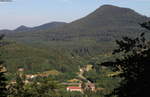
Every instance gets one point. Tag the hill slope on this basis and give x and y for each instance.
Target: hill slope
(67, 46)
(38, 59)
(105, 24)
(24, 29)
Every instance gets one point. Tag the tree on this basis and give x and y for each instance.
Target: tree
(18, 89)
(135, 65)
(48, 88)
(3, 80)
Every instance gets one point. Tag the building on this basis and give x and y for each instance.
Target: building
(90, 86)
(2, 69)
(74, 89)
(20, 69)
(31, 76)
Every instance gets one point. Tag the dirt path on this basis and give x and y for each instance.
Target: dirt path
(81, 75)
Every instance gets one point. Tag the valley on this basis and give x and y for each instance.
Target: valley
(68, 59)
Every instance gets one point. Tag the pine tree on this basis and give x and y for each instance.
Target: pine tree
(3, 84)
(3, 80)
(135, 65)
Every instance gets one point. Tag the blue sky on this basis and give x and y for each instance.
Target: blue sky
(37, 12)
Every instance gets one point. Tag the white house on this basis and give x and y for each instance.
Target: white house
(74, 88)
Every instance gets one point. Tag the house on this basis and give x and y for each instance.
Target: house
(13, 82)
(20, 69)
(74, 89)
(26, 82)
(31, 76)
(81, 70)
(90, 86)
(74, 80)
(2, 69)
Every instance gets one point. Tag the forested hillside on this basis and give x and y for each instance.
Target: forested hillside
(107, 23)
(39, 59)
(59, 45)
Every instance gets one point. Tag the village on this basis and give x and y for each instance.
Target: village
(78, 84)
(73, 85)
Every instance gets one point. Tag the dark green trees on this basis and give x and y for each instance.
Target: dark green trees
(3, 80)
(18, 89)
(135, 65)
(3, 84)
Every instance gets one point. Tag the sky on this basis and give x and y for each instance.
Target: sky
(36, 12)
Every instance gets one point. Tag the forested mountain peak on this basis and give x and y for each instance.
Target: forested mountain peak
(106, 23)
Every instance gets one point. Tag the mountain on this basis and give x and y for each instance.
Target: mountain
(23, 28)
(107, 23)
(49, 26)
(65, 46)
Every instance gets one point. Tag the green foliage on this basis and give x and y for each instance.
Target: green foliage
(3, 83)
(135, 66)
(3, 80)
(39, 59)
(18, 89)
(48, 88)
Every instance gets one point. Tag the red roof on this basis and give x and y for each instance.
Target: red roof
(74, 87)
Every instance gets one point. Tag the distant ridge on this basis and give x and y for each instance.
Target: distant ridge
(49, 26)
(106, 23)
(23, 28)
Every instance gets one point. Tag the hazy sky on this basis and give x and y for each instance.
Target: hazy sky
(37, 12)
